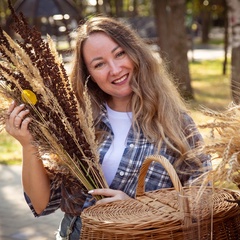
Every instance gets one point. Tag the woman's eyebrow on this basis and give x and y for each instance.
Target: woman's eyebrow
(96, 59)
(99, 58)
(114, 49)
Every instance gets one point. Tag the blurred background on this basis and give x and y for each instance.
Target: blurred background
(199, 39)
(171, 27)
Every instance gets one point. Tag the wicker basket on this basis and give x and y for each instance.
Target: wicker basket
(168, 214)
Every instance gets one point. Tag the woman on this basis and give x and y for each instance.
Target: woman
(138, 112)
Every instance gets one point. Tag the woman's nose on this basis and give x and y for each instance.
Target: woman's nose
(114, 68)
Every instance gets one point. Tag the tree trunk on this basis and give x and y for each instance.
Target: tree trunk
(235, 78)
(225, 38)
(119, 8)
(107, 6)
(206, 20)
(98, 9)
(234, 22)
(162, 20)
(135, 8)
(170, 24)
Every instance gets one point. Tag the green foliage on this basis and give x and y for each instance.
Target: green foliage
(10, 149)
(197, 6)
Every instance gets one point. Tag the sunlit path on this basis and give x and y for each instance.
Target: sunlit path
(16, 219)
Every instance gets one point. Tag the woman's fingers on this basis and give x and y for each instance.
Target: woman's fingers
(16, 115)
(11, 107)
(17, 123)
(13, 112)
(25, 122)
(107, 192)
(110, 194)
(19, 118)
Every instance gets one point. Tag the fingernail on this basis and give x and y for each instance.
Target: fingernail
(27, 120)
(22, 105)
(91, 191)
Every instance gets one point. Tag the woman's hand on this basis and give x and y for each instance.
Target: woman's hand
(36, 183)
(110, 194)
(17, 123)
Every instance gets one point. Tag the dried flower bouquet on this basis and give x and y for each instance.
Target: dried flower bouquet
(31, 71)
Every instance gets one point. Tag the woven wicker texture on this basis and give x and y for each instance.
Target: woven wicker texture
(166, 214)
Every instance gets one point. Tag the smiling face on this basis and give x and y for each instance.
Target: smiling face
(111, 68)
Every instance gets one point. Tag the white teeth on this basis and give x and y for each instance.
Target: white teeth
(120, 80)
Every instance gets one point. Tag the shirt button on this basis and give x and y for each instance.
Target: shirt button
(131, 145)
(121, 173)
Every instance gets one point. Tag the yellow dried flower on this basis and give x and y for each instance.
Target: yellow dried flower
(29, 97)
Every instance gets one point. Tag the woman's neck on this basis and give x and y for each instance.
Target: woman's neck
(119, 106)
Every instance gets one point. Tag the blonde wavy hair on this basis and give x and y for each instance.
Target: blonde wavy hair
(156, 105)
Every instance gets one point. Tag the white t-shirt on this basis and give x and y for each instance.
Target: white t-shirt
(121, 123)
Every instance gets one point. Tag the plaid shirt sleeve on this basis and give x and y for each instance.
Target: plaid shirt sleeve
(53, 205)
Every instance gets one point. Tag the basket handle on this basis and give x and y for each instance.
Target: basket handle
(168, 167)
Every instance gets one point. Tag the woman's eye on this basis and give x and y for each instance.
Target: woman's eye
(120, 53)
(98, 65)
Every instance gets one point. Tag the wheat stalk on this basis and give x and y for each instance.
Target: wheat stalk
(225, 144)
(60, 126)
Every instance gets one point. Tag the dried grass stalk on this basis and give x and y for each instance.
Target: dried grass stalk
(224, 144)
(61, 127)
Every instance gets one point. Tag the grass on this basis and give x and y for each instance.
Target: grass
(10, 149)
(211, 41)
(211, 88)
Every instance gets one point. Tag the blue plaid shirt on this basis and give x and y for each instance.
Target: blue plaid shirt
(135, 152)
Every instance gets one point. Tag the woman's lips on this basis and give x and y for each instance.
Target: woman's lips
(120, 80)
